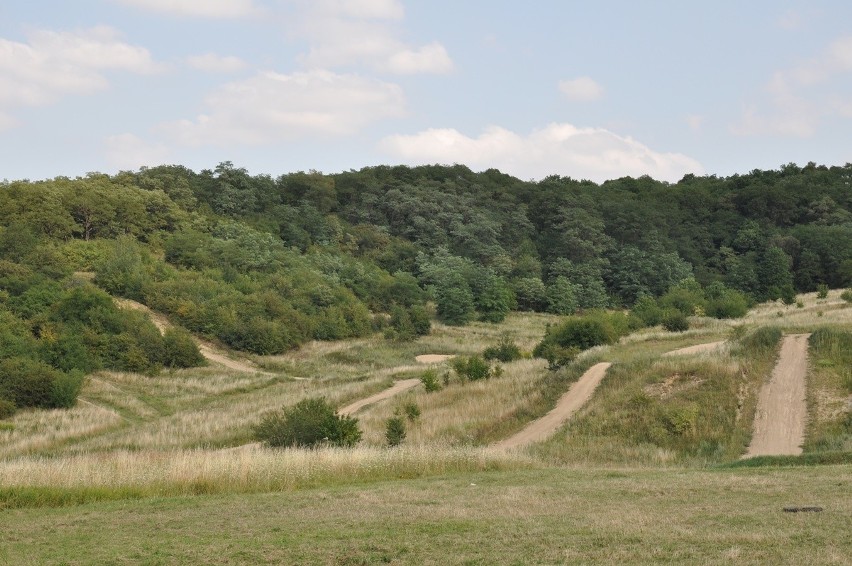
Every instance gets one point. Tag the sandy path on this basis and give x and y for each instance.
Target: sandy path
(697, 349)
(207, 350)
(576, 396)
(395, 389)
(779, 423)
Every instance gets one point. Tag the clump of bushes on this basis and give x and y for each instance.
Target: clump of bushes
(846, 295)
(408, 324)
(562, 343)
(309, 423)
(395, 430)
(475, 368)
(675, 321)
(505, 351)
(429, 379)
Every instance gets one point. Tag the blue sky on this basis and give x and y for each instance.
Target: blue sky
(593, 90)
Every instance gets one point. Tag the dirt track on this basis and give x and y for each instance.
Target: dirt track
(697, 349)
(577, 396)
(395, 389)
(207, 350)
(779, 423)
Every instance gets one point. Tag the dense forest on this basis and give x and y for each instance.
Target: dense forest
(264, 264)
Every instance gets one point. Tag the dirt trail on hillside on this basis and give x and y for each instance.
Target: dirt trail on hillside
(577, 395)
(395, 389)
(433, 358)
(697, 349)
(779, 423)
(208, 350)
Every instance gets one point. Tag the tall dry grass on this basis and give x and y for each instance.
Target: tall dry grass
(38, 481)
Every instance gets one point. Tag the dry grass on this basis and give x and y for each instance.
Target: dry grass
(462, 412)
(248, 469)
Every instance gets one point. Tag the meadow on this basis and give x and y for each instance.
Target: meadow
(641, 473)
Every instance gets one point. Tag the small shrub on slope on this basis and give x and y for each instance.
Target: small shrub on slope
(308, 423)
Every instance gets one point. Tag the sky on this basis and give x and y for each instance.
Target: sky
(588, 90)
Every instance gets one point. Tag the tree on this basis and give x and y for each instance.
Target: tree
(309, 423)
(454, 300)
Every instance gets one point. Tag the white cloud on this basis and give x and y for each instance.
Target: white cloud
(581, 89)
(201, 8)
(129, 152)
(581, 153)
(53, 64)
(432, 58)
(800, 97)
(272, 107)
(212, 63)
(363, 32)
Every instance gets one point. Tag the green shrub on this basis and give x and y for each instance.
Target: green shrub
(505, 351)
(395, 431)
(412, 411)
(66, 387)
(408, 323)
(580, 333)
(846, 295)
(430, 381)
(7, 408)
(728, 304)
(675, 321)
(648, 311)
(26, 382)
(822, 291)
(180, 350)
(473, 368)
(308, 423)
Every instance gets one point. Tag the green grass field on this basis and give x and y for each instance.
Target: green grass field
(547, 516)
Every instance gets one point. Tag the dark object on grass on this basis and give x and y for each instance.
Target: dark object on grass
(807, 509)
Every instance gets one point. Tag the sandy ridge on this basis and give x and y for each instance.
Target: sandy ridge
(576, 396)
(697, 349)
(779, 422)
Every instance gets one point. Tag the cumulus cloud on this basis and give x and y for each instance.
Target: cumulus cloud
(197, 8)
(271, 107)
(212, 63)
(802, 96)
(52, 64)
(364, 32)
(130, 152)
(581, 89)
(563, 149)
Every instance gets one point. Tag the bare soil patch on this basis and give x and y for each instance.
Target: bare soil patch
(434, 358)
(395, 389)
(673, 384)
(779, 423)
(697, 349)
(577, 396)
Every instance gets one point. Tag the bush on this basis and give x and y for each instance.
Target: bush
(308, 423)
(27, 383)
(395, 431)
(412, 411)
(584, 332)
(180, 350)
(822, 291)
(7, 408)
(473, 368)
(675, 321)
(505, 351)
(846, 295)
(65, 389)
(430, 381)
(648, 311)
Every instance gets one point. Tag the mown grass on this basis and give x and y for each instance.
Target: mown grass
(544, 516)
